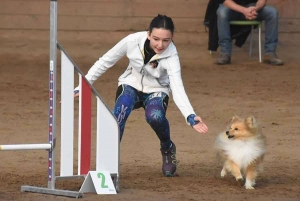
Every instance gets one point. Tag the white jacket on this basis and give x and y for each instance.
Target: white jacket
(144, 77)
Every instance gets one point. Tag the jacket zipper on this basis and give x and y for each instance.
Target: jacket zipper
(142, 69)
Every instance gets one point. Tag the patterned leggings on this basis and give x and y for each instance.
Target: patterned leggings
(155, 106)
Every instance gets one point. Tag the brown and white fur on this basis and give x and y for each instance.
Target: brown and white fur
(242, 148)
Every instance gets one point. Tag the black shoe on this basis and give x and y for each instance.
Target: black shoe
(169, 161)
(271, 58)
(223, 59)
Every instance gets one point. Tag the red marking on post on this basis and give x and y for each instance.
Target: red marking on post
(86, 127)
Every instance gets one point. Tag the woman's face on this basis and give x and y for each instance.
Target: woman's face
(160, 39)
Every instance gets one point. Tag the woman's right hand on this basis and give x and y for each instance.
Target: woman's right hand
(76, 93)
(201, 127)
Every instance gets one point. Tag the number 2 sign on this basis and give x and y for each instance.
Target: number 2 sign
(99, 182)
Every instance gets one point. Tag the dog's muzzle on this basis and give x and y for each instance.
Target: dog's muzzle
(229, 136)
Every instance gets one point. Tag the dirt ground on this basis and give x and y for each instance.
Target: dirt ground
(245, 87)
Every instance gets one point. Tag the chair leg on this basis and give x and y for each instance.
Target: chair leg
(251, 39)
(259, 41)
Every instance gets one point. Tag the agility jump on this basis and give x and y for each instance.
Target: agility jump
(107, 134)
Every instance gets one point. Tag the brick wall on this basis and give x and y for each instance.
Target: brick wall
(94, 18)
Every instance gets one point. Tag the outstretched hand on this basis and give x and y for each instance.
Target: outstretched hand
(201, 126)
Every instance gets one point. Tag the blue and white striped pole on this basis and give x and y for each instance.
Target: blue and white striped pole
(52, 93)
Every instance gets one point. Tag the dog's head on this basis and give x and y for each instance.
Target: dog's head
(242, 128)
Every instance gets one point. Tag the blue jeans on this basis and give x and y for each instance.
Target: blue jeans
(268, 14)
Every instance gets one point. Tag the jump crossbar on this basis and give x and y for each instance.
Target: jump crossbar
(14, 147)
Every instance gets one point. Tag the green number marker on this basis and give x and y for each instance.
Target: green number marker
(103, 180)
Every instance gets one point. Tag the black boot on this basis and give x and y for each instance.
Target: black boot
(169, 161)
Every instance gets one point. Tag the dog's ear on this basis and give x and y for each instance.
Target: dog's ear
(235, 118)
(251, 122)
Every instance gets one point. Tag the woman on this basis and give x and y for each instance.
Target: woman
(153, 71)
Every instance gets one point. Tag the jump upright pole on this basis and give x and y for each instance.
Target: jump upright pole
(52, 92)
(52, 114)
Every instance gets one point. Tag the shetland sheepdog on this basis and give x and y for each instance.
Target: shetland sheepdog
(242, 147)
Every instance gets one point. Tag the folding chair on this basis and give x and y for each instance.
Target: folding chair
(252, 23)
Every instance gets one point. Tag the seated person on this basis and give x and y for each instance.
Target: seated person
(247, 10)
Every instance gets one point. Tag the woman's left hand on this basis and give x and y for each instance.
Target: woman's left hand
(201, 126)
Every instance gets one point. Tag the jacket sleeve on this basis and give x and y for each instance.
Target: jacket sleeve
(107, 60)
(179, 95)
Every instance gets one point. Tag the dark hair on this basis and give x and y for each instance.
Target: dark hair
(162, 21)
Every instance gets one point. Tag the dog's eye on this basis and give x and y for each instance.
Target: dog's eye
(236, 129)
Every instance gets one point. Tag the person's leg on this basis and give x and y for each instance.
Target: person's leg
(126, 98)
(225, 15)
(155, 112)
(225, 43)
(269, 14)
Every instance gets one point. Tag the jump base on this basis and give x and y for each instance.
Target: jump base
(66, 193)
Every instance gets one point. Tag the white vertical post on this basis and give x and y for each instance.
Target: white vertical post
(79, 123)
(67, 116)
(259, 40)
(107, 156)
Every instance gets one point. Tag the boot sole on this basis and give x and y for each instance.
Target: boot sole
(223, 63)
(171, 175)
(273, 64)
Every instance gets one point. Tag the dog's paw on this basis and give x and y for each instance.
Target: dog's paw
(223, 173)
(240, 181)
(249, 184)
(249, 187)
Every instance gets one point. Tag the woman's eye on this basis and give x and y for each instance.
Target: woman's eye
(236, 129)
